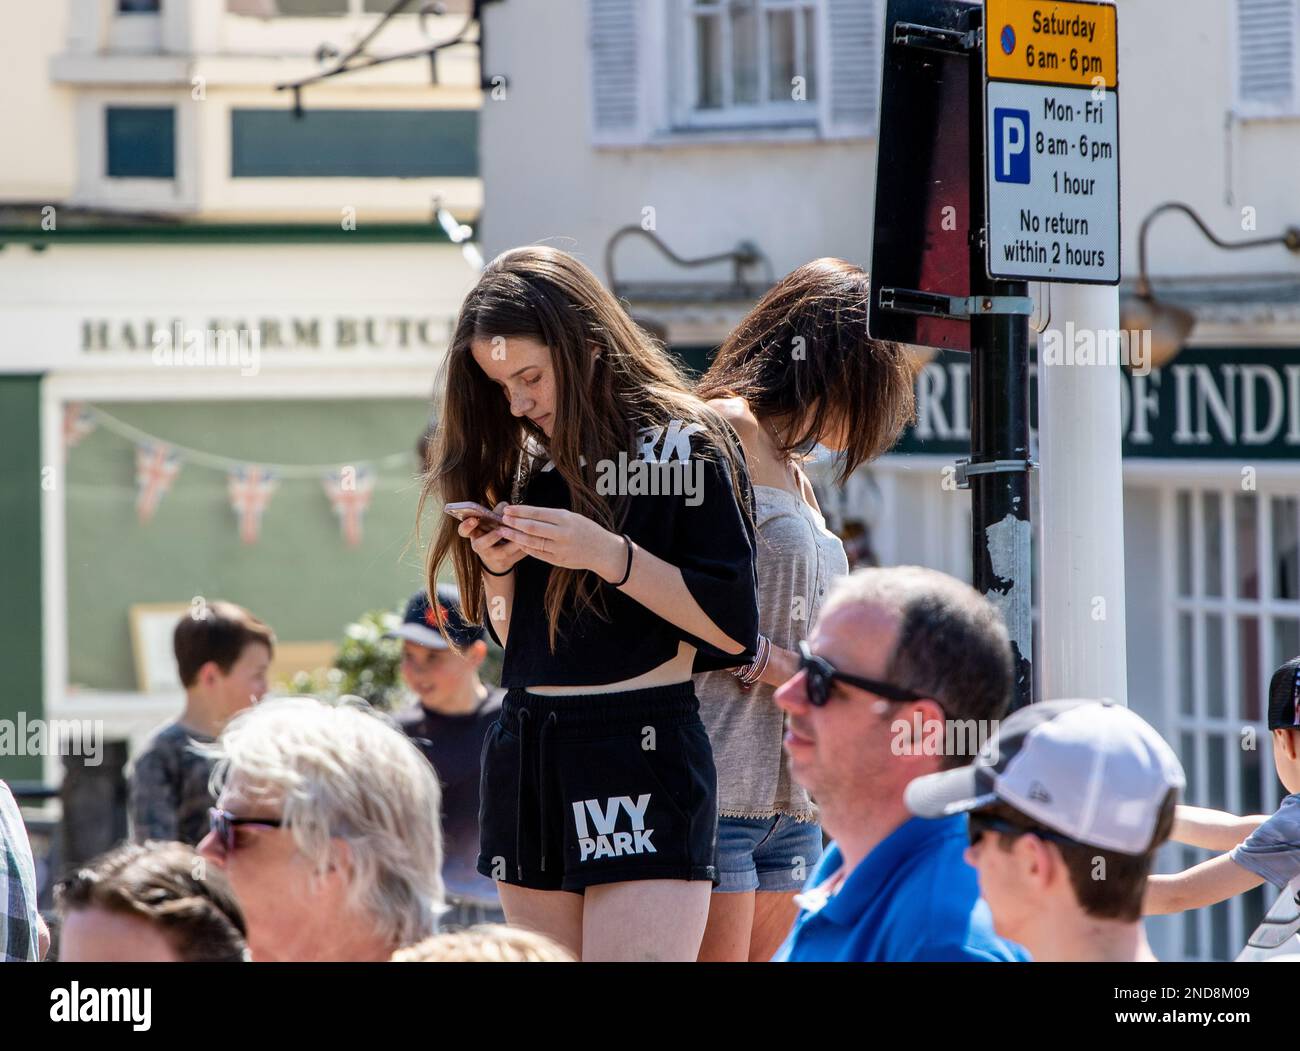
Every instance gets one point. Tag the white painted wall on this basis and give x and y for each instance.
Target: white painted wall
(79, 56)
(545, 181)
(1177, 71)
(37, 138)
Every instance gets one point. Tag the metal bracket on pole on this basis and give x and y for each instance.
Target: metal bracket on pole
(934, 304)
(932, 38)
(965, 469)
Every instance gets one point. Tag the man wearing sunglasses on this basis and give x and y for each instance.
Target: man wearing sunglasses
(1067, 808)
(895, 656)
(327, 828)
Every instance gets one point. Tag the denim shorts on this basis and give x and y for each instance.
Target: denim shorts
(766, 853)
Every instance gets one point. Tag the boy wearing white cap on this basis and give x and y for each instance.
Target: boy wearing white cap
(1067, 806)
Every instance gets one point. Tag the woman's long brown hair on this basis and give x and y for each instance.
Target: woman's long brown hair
(611, 379)
(803, 353)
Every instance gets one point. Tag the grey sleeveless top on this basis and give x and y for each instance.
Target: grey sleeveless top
(797, 558)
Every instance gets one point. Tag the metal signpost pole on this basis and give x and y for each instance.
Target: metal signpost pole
(998, 470)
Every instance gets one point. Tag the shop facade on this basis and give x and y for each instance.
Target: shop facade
(199, 413)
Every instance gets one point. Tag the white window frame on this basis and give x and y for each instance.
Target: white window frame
(1199, 725)
(96, 189)
(134, 32)
(764, 114)
(1254, 109)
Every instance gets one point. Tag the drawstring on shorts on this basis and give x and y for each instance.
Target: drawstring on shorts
(543, 735)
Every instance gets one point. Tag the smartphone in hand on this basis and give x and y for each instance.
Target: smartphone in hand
(464, 509)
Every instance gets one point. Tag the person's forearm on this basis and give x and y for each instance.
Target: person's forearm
(500, 593)
(1162, 896)
(1212, 829)
(1205, 884)
(659, 586)
(782, 665)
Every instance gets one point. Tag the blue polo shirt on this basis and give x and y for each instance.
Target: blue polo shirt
(912, 898)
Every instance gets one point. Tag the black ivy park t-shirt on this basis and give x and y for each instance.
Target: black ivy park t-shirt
(453, 744)
(681, 507)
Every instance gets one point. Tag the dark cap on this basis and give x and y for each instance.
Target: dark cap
(1284, 696)
(420, 622)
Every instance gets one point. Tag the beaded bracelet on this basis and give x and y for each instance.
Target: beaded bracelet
(753, 672)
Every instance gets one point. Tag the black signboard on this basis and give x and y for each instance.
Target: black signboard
(921, 232)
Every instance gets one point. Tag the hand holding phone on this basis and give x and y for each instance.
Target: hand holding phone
(496, 552)
(464, 509)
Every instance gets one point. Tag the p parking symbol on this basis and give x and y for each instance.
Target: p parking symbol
(1011, 144)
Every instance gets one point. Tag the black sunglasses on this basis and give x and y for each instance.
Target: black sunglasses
(978, 824)
(223, 824)
(822, 674)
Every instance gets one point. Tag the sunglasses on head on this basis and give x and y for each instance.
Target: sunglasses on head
(822, 675)
(978, 824)
(223, 824)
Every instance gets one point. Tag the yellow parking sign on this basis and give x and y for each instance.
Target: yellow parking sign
(1066, 42)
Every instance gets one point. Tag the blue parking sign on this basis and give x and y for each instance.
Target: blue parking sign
(1011, 145)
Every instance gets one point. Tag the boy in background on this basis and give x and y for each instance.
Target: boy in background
(1067, 806)
(223, 655)
(453, 712)
(1271, 847)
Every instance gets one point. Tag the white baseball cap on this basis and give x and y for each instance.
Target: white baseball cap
(1093, 771)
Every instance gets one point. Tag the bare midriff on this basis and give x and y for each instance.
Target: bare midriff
(670, 673)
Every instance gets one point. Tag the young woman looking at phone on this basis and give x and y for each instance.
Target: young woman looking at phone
(599, 807)
(799, 370)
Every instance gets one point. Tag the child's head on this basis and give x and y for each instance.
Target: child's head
(223, 654)
(433, 668)
(1284, 722)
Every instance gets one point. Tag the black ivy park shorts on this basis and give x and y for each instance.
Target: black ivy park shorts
(598, 788)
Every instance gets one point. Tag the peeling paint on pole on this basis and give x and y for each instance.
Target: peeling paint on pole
(1009, 546)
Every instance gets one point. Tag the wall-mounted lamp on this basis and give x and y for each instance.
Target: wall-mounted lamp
(745, 255)
(1170, 325)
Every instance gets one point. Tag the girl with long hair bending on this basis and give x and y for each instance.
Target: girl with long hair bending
(798, 371)
(623, 564)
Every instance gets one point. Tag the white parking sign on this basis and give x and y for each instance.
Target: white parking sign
(1052, 182)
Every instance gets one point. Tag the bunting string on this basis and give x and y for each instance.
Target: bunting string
(250, 486)
(226, 464)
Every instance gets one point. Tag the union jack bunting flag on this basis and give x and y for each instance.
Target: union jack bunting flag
(156, 467)
(78, 421)
(250, 488)
(350, 490)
